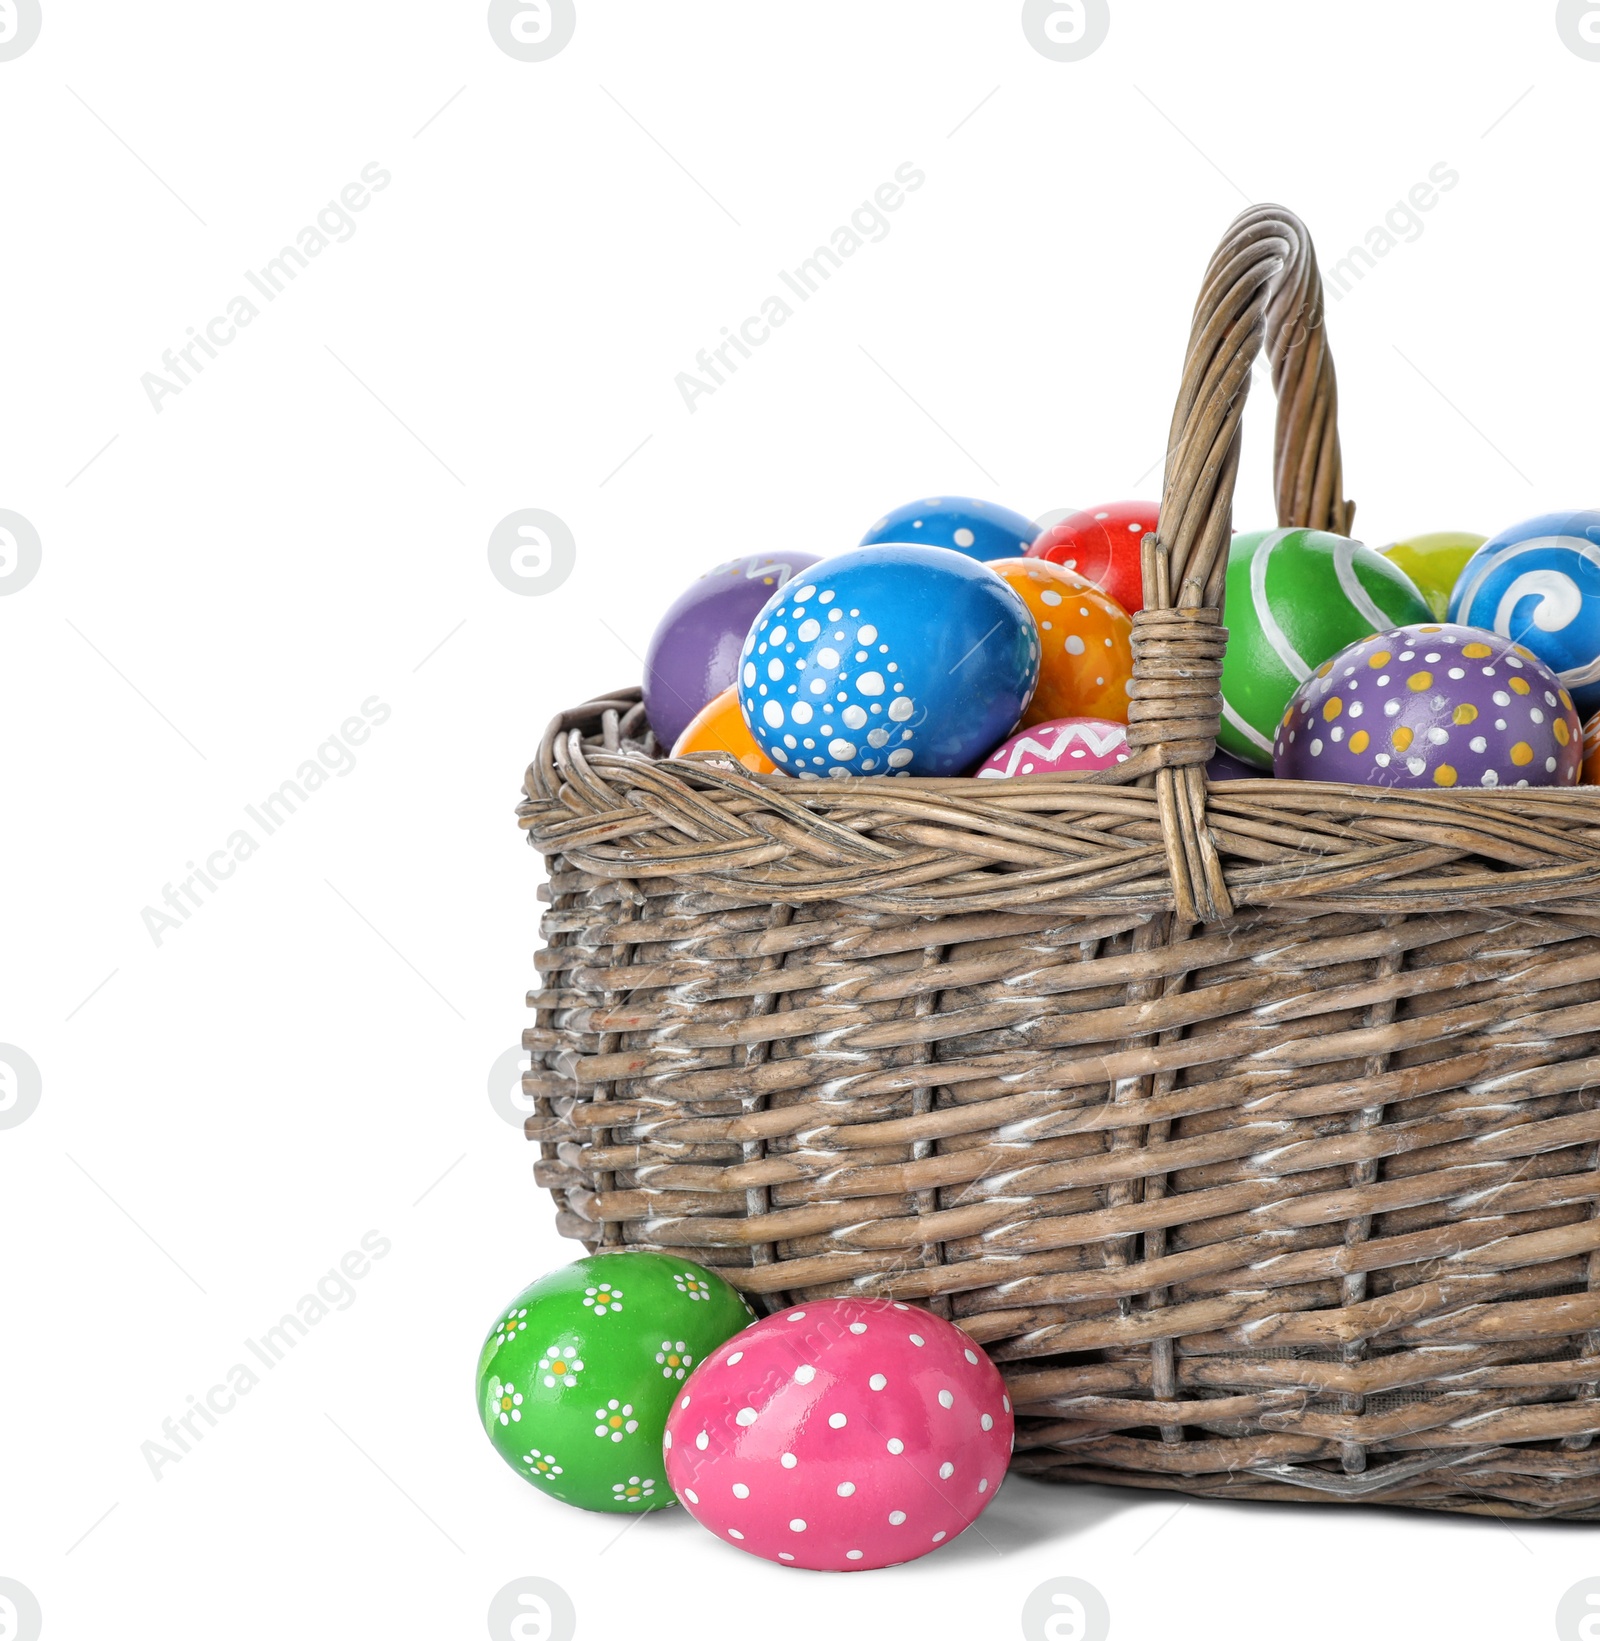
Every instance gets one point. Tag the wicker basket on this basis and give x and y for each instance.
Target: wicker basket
(1252, 1128)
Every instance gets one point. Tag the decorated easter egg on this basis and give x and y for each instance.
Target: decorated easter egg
(1225, 767)
(1538, 583)
(577, 1376)
(1590, 773)
(888, 660)
(1085, 641)
(1059, 747)
(695, 651)
(1434, 563)
(980, 529)
(1431, 706)
(843, 1434)
(1102, 544)
(719, 726)
(1294, 599)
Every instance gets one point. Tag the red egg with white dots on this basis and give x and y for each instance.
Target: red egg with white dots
(841, 1435)
(1102, 544)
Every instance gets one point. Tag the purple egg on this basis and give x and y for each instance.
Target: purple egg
(1225, 767)
(694, 654)
(1431, 706)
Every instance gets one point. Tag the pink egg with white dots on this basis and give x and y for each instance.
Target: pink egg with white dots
(841, 1434)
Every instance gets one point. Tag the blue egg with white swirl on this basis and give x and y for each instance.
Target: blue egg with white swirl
(1538, 584)
(980, 529)
(888, 660)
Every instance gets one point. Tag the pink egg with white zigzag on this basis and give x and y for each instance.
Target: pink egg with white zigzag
(1061, 746)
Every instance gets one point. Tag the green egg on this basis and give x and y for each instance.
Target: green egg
(1435, 562)
(578, 1374)
(1294, 598)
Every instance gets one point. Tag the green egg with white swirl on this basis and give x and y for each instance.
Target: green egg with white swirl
(1295, 598)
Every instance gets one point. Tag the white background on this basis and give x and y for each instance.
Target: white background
(306, 1058)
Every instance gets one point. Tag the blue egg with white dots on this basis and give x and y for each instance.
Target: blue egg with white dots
(1538, 584)
(980, 529)
(888, 660)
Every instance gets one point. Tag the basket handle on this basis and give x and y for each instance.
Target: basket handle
(1262, 285)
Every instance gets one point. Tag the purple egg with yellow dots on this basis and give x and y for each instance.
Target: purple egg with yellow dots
(1432, 707)
(694, 654)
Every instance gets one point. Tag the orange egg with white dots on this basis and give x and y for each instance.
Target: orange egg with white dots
(1085, 641)
(719, 726)
(1590, 775)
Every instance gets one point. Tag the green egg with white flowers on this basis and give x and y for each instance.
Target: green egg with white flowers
(579, 1372)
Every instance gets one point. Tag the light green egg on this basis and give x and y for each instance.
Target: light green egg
(1435, 562)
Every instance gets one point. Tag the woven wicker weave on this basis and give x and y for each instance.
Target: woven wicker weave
(1252, 1128)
